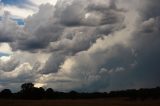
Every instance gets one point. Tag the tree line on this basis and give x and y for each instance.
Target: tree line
(28, 91)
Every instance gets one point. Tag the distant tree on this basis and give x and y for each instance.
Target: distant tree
(27, 90)
(49, 93)
(73, 94)
(37, 93)
(41, 90)
(27, 86)
(6, 93)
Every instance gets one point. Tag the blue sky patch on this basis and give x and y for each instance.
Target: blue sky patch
(19, 3)
(4, 54)
(13, 2)
(19, 21)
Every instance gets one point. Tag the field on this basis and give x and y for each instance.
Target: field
(90, 102)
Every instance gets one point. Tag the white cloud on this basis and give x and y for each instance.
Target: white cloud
(39, 85)
(5, 48)
(18, 12)
(5, 58)
(39, 2)
(27, 10)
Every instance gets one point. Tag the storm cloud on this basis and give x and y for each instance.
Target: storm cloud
(85, 45)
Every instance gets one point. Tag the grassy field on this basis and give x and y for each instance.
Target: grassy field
(91, 102)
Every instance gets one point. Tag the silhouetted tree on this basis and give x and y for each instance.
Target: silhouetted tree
(49, 93)
(27, 86)
(37, 93)
(27, 90)
(73, 94)
(6, 93)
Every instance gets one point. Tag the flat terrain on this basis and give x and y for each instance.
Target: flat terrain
(90, 102)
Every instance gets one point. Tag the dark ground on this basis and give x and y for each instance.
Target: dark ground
(89, 102)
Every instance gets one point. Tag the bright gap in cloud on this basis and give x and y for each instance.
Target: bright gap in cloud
(5, 58)
(39, 85)
(39, 2)
(5, 48)
(5, 52)
(18, 12)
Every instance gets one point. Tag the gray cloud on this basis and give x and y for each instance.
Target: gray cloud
(22, 73)
(9, 65)
(151, 10)
(39, 30)
(123, 66)
(8, 29)
(38, 34)
(53, 63)
(92, 45)
(82, 37)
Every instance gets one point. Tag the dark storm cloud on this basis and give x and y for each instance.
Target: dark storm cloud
(58, 35)
(72, 15)
(38, 35)
(89, 28)
(133, 67)
(8, 29)
(39, 40)
(93, 46)
(57, 58)
(9, 65)
(83, 13)
(151, 10)
(146, 43)
(79, 38)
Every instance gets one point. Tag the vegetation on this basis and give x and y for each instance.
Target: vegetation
(28, 91)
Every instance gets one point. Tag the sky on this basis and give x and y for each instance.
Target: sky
(82, 45)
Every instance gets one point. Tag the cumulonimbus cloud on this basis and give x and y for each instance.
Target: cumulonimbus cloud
(89, 45)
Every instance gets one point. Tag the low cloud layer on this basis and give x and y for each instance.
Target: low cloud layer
(84, 45)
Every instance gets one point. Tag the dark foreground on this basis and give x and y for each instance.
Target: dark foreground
(89, 102)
